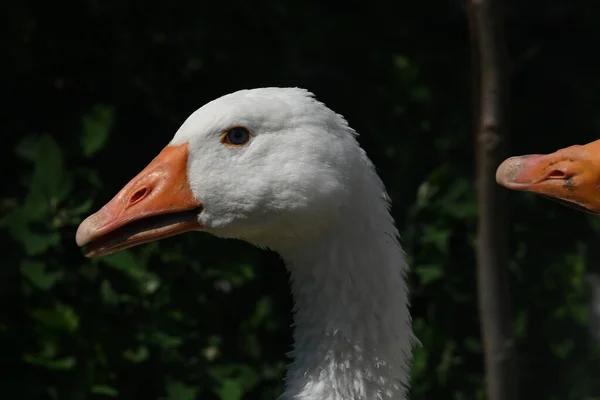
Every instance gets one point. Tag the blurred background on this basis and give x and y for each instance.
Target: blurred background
(92, 90)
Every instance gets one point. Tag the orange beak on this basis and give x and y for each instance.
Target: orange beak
(156, 204)
(570, 175)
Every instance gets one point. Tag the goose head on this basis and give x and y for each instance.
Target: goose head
(262, 165)
(278, 169)
(570, 176)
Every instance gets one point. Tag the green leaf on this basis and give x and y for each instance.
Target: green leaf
(419, 362)
(230, 389)
(136, 356)
(49, 168)
(48, 184)
(164, 340)
(437, 237)
(109, 296)
(180, 391)
(521, 324)
(473, 345)
(105, 390)
(82, 208)
(34, 243)
(429, 273)
(123, 261)
(35, 272)
(57, 364)
(96, 125)
(563, 348)
(37, 244)
(234, 379)
(464, 210)
(61, 318)
(46, 357)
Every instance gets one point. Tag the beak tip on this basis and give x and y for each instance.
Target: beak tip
(87, 229)
(82, 235)
(506, 172)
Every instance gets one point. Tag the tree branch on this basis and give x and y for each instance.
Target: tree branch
(490, 87)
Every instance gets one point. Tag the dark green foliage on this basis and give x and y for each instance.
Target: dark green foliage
(95, 89)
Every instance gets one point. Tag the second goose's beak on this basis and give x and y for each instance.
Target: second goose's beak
(570, 175)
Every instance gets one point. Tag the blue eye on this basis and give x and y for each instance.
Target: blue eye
(237, 136)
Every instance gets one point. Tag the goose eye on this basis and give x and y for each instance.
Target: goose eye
(236, 136)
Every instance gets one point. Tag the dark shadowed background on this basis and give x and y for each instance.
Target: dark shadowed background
(92, 90)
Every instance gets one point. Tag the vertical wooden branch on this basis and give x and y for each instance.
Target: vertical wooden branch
(491, 127)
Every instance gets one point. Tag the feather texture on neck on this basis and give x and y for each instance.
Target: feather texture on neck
(353, 333)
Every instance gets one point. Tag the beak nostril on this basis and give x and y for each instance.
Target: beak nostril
(558, 174)
(137, 196)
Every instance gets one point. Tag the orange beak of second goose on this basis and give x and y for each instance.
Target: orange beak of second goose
(156, 204)
(570, 175)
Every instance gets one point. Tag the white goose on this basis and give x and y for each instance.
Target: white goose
(278, 169)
